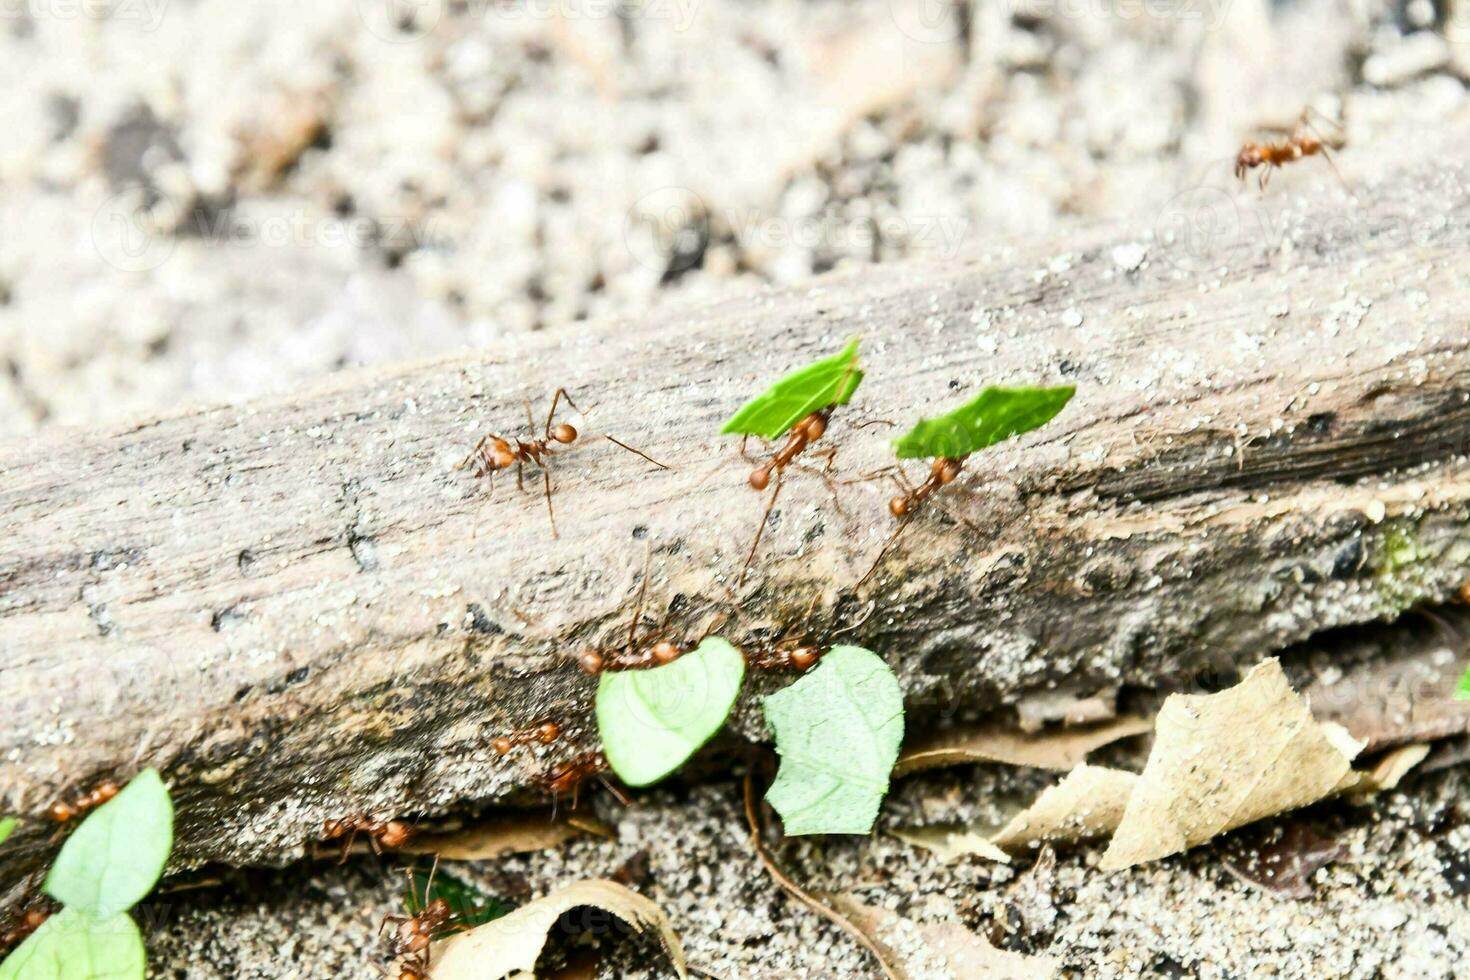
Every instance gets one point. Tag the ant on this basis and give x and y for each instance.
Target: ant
(633, 657)
(413, 933)
(570, 775)
(61, 811)
(798, 439)
(493, 452)
(544, 733)
(943, 471)
(380, 833)
(1303, 141)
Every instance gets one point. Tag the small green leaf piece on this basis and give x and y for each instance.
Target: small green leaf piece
(992, 416)
(652, 720)
(115, 857)
(837, 730)
(471, 907)
(72, 945)
(6, 826)
(831, 381)
(1462, 692)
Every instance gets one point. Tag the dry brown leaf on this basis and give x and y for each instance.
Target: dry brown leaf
(1283, 860)
(1394, 685)
(917, 951)
(1221, 761)
(1088, 803)
(1059, 749)
(513, 942)
(511, 833)
(951, 843)
(1392, 768)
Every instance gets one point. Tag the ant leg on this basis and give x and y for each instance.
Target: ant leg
(560, 394)
(883, 552)
(635, 452)
(745, 452)
(955, 517)
(550, 513)
(347, 846)
(760, 529)
(870, 422)
(618, 794)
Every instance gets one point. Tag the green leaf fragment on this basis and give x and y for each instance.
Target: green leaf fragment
(471, 907)
(990, 417)
(838, 730)
(115, 857)
(652, 720)
(6, 827)
(73, 945)
(1462, 691)
(831, 381)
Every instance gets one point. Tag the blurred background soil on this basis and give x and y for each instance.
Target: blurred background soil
(205, 200)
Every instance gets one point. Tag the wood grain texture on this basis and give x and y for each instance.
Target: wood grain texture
(299, 609)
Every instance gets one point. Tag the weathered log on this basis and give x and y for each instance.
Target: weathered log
(300, 609)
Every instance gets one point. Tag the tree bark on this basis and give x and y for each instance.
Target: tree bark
(299, 609)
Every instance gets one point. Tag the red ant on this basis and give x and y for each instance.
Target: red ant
(1304, 141)
(380, 833)
(798, 438)
(493, 453)
(413, 933)
(631, 656)
(943, 471)
(61, 811)
(544, 733)
(569, 776)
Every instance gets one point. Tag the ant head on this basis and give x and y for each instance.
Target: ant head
(564, 433)
(500, 454)
(898, 506)
(62, 811)
(548, 732)
(395, 833)
(502, 744)
(1248, 157)
(760, 477)
(814, 426)
(947, 469)
(590, 661)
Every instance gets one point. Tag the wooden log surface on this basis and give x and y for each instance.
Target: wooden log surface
(299, 609)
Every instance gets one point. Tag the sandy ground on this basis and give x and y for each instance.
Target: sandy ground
(212, 200)
(1394, 906)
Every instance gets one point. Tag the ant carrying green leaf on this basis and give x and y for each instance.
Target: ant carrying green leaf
(799, 407)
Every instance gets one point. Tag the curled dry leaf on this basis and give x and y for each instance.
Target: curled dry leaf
(511, 833)
(1059, 749)
(1221, 761)
(511, 944)
(1088, 803)
(917, 951)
